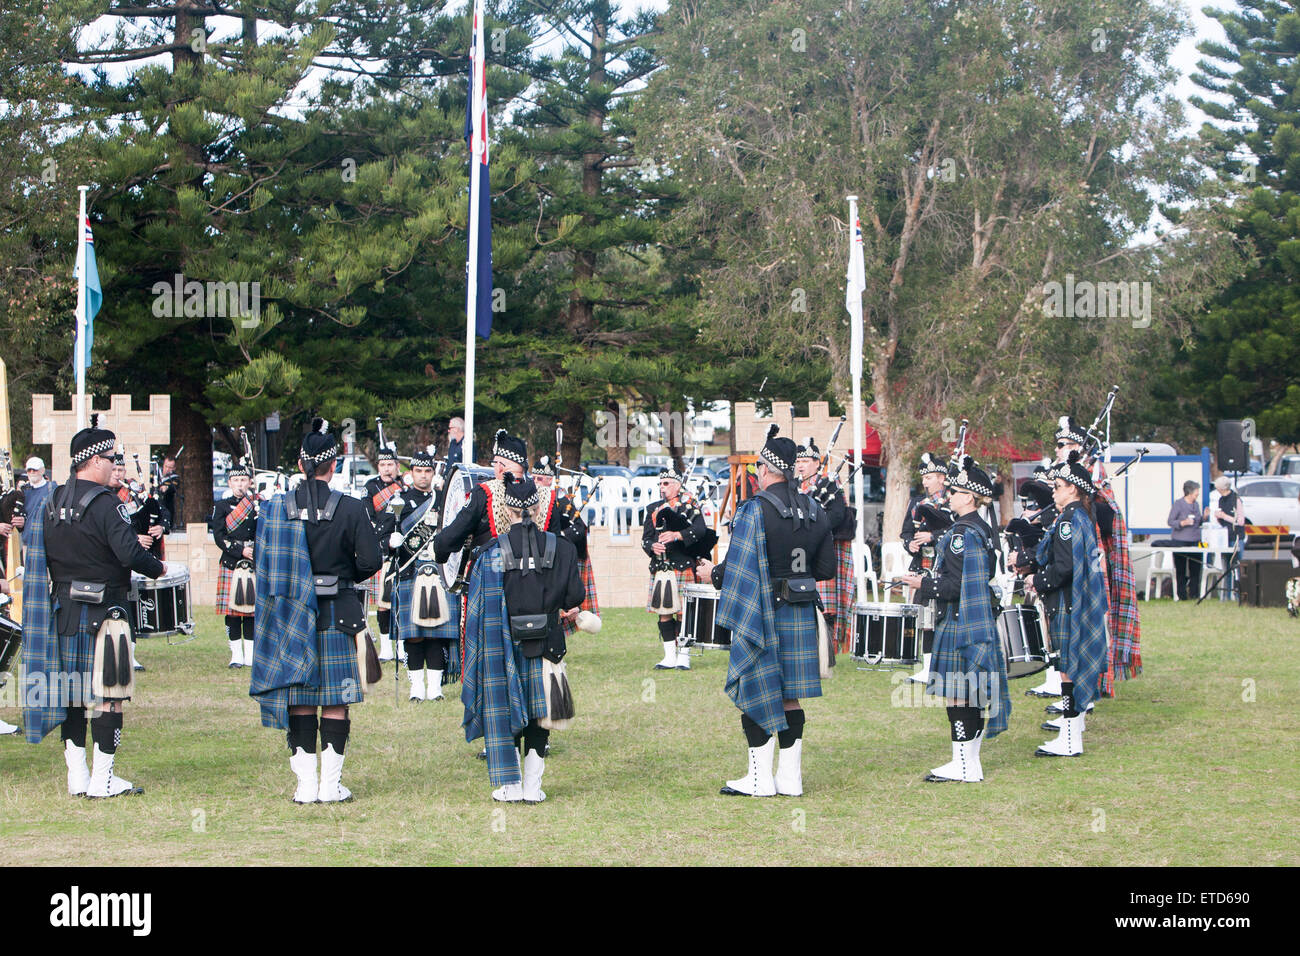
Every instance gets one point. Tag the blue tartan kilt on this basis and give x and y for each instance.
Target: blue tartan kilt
(339, 679)
(968, 673)
(796, 632)
(530, 672)
(404, 630)
(77, 665)
(1082, 661)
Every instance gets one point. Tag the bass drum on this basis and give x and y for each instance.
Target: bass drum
(456, 489)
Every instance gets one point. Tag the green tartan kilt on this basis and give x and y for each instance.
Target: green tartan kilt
(339, 679)
(796, 631)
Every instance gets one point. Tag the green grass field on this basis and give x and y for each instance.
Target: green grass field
(1195, 763)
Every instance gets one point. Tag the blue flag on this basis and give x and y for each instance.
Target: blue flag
(94, 294)
(479, 267)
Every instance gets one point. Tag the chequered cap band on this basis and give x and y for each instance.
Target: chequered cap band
(508, 455)
(934, 467)
(90, 451)
(672, 475)
(513, 502)
(1076, 436)
(770, 457)
(324, 455)
(963, 482)
(805, 452)
(1083, 484)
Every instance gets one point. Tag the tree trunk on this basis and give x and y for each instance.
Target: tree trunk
(617, 451)
(195, 466)
(573, 422)
(898, 483)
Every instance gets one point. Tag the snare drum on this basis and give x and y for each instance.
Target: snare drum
(927, 620)
(162, 606)
(699, 621)
(1026, 645)
(886, 634)
(11, 638)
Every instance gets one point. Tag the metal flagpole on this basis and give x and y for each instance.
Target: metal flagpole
(478, 137)
(79, 341)
(854, 284)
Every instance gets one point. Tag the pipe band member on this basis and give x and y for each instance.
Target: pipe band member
(1073, 587)
(967, 666)
(781, 545)
(515, 688)
(675, 536)
(233, 526)
(76, 628)
(315, 548)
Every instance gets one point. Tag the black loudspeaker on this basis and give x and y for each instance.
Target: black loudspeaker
(1263, 583)
(1234, 452)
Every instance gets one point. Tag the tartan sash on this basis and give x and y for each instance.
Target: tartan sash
(493, 690)
(235, 517)
(745, 608)
(42, 709)
(379, 500)
(284, 624)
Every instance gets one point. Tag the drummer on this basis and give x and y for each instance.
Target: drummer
(919, 539)
(968, 666)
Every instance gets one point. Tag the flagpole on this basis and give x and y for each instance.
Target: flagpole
(79, 340)
(859, 439)
(471, 304)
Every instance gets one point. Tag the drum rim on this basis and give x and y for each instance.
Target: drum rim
(905, 610)
(474, 475)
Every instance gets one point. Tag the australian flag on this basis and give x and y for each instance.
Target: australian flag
(479, 266)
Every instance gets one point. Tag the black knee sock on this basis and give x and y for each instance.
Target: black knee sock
(384, 618)
(74, 727)
(234, 627)
(927, 641)
(795, 720)
(1068, 707)
(435, 657)
(535, 737)
(106, 731)
(965, 722)
(755, 736)
(668, 630)
(415, 653)
(334, 732)
(247, 628)
(302, 732)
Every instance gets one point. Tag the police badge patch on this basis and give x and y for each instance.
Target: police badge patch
(958, 543)
(126, 515)
(1066, 530)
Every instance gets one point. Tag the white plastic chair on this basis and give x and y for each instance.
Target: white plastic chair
(645, 490)
(1161, 567)
(870, 577)
(616, 499)
(894, 560)
(1211, 565)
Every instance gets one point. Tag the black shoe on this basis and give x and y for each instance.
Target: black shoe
(139, 668)
(482, 754)
(1039, 693)
(1049, 727)
(233, 666)
(931, 778)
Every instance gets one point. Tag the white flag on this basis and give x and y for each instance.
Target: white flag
(854, 287)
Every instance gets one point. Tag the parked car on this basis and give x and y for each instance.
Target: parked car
(1271, 500)
(610, 471)
(1289, 465)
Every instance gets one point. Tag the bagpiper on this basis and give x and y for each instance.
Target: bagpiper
(233, 526)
